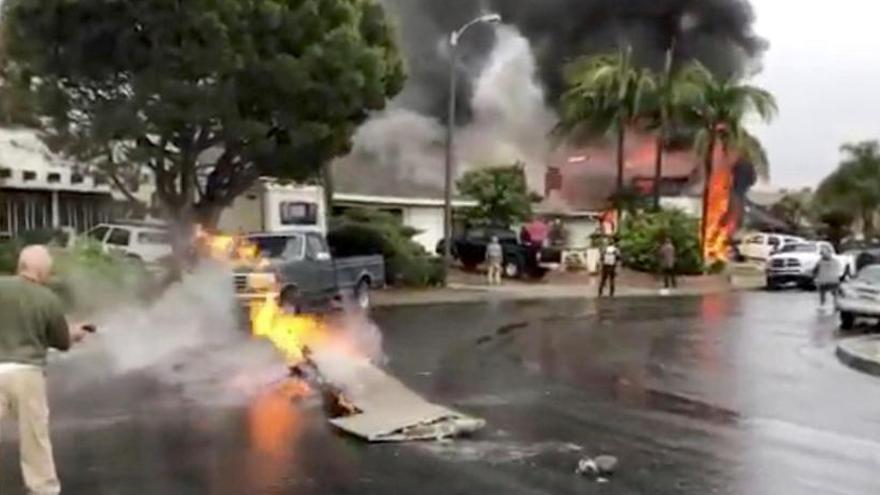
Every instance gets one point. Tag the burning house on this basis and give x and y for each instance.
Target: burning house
(584, 179)
(510, 79)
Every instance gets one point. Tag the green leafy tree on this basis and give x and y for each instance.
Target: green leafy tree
(605, 95)
(795, 209)
(502, 195)
(208, 95)
(855, 185)
(718, 109)
(835, 225)
(642, 235)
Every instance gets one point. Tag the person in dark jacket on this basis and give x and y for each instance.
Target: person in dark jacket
(667, 261)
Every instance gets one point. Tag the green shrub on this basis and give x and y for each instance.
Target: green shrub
(88, 279)
(363, 232)
(641, 236)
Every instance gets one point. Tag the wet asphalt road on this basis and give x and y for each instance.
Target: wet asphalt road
(737, 393)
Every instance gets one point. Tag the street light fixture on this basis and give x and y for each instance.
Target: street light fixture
(454, 38)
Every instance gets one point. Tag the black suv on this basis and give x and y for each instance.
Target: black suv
(519, 259)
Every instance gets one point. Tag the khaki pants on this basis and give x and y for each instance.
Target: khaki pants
(494, 273)
(23, 395)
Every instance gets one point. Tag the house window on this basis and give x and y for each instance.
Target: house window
(5, 173)
(100, 179)
(54, 178)
(29, 175)
(76, 178)
(298, 213)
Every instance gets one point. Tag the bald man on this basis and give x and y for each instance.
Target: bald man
(31, 322)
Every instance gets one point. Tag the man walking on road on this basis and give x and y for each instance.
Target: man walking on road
(667, 264)
(494, 261)
(31, 322)
(610, 259)
(827, 276)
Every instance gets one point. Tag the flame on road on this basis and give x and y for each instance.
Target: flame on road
(290, 333)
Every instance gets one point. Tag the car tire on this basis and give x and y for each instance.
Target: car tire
(772, 285)
(512, 268)
(290, 301)
(847, 320)
(362, 294)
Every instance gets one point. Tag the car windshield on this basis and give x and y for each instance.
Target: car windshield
(800, 248)
(870, 275)
(277, 246)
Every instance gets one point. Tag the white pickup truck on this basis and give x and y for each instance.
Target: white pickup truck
(796, 263)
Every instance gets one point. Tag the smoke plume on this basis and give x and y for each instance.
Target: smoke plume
(192, 339)
(510, 78)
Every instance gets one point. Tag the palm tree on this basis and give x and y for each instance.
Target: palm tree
(605, 94)
(670, 102)
(719, 110)
(855, 185)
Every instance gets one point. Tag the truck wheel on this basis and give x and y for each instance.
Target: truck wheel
(362, 294)
(847, 321)
(512, 268)
(290, 300)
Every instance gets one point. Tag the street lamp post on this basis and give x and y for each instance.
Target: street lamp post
(454, 38)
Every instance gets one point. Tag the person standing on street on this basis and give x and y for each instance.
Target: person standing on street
(494, 261)
(827, 276)
(610, 259)
(667, 264)
(32, 321)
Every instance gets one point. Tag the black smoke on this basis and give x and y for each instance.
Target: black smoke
(719, 33)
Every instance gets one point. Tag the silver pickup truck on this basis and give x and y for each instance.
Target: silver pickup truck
(305, 277)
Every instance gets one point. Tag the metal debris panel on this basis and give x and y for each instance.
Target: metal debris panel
(391, 412)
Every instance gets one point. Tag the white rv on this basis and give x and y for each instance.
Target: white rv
(272, 207)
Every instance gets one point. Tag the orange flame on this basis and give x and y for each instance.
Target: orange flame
(720, 222)
(291, 334)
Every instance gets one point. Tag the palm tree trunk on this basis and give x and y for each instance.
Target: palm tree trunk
(658, 166)
(621, 145)
(707, 185)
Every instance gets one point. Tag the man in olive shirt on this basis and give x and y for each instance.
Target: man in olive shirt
(31, 322)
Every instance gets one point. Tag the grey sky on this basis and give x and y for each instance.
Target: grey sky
(823, 68)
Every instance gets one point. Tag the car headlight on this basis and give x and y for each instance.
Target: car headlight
(262, 281)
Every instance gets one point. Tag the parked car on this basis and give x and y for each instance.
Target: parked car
(305, 275)
(865, 252)
(796, 263)
(519, 259)
(860, 297)
(760, 246)
(144, 242)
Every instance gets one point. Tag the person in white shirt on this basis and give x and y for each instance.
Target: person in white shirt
(610, 259)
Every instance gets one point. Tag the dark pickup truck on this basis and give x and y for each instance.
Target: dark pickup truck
(519, 259)
(304, 274)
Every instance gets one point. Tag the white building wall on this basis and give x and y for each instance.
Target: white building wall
(429, 221)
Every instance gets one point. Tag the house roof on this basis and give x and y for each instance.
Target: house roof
(373, 178)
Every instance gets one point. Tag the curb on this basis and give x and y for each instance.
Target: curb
(849, 355)
(468, 296)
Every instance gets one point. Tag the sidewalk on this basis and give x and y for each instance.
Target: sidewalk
(467, 291)
(861, 353)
